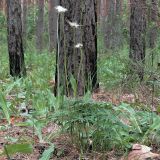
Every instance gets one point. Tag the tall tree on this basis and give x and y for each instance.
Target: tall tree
(153, 18)
(40, 25)
(103, 8)
(15, 45)
(3, 6)
(24, 5)
(137, 36)
(112, 27)
(52, 24)
(109, 25)
(76, 68)
(118, 38)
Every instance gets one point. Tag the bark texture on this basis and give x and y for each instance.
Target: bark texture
(77, 66)
(40, 26)
(15, 46)
(52, 24)
(3, 6)
(153, 18)
(112, 27)
(137, 36)
(24, 19)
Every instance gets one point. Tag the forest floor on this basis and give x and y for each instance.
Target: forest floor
(64, 148)
(37, 91)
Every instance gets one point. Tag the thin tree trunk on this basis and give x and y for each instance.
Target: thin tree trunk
(1, 5)
(104, 6)
(40, 26)
(15, 46)
(137, 36)
(52, 24)
(109, 26)
(118, 38)
(153, 18)
(113, 24)
(76, 69)
(4, 6)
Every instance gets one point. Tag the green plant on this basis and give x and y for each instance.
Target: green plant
(106, 126)
(5, 107)
(12, 149)
(47, 153)
(90, 120)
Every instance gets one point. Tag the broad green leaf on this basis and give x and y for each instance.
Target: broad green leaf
(24, 124)
(3, 105)
(18, 148)
(47, 153)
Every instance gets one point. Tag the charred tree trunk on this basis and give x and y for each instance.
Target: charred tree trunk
(40, 26)
(137, 36)
(76, 69)
(52, 24)
(15, 46)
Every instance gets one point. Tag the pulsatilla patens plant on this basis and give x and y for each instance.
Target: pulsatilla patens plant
(76, 65)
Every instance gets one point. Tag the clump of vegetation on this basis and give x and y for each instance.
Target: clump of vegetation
(103, 126)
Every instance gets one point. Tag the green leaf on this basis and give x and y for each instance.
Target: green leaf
(47, 153)
(24, 124)
(3, 105)
(74, 85)
(18, 148)
(132, 115)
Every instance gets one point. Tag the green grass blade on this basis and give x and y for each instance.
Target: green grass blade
(47, 153)
(3, 105)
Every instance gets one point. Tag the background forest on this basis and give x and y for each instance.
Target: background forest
(79, 79)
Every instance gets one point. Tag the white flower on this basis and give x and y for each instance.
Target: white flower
(60, 9)
(79, 45)
(74, 24)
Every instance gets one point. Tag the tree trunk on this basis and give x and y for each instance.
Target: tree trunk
(109, 27)
(118, 24)
(52, 24)
(153, 17)
(40, 26)
(113, 24)
(24, 19)
(104, 6)
(15, 46)
(137, 36)
(3, 6)
(76, 69)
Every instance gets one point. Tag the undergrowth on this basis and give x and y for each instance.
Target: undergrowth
(92, 126)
